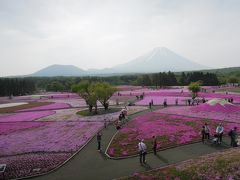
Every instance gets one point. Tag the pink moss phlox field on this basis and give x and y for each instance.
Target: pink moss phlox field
(25, 116)
(61, 95)
(171, 130)
(217, 105)
(158, 100)
(10, 127)
(32, 164)
(48, 107)
(227, 112)
(128, 88)
(49, 137)
(161, 92)
(179, 92)
(236, 97)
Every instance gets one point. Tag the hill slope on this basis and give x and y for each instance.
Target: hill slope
(158, 60)
(60, 70)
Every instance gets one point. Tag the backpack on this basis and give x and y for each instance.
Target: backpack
(230, 133)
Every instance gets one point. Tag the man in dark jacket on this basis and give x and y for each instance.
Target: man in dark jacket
(99, 138)
(234, 137)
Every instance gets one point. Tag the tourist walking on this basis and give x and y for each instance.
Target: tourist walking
(142, 148)
(234, 136)
(99, 138)
(207, 131)
(219, 132)
(150, 105)
(165, 103)
(203, 133)
(154, 145)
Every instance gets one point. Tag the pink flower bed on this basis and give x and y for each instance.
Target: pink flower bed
(32, 164)
(128, 88)
(170, 130)
(62, 95)
(25, 116)
(226, 108)
(161, 92)
(7, 128)
(184, 92)
(236, 97)
(48, 107)
(226, 112)
(158, 100)
(48, 137)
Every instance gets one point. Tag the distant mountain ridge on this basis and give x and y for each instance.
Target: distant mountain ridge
(157, 60)
(59, 70)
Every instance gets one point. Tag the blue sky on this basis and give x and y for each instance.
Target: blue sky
(98, 34)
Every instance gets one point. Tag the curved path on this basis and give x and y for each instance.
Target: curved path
(91, 164)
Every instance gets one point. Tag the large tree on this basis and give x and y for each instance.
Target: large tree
(86, 90)
(104, 92)
(195, 87)
(93, 92)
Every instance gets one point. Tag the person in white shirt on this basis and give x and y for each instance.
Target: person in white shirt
(142, 148)
(219, 132)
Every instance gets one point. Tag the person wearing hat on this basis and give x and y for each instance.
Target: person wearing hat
(142, 148)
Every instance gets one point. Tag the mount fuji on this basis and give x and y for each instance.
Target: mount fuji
(157, 60)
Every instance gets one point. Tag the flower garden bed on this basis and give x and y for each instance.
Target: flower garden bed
(170, 130)
(25, 116)
(32, 164)
(23, 107)
(47, 137)
(158, 100)
(222, 165)
(31, 148)
(225, 112)
(52, 106)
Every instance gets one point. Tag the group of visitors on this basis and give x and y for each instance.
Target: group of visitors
(141, 96)
(193, 102)
(121, 119)
(229, 100)
(219, 134)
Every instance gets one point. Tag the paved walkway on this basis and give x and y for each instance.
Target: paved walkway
(90, 164)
